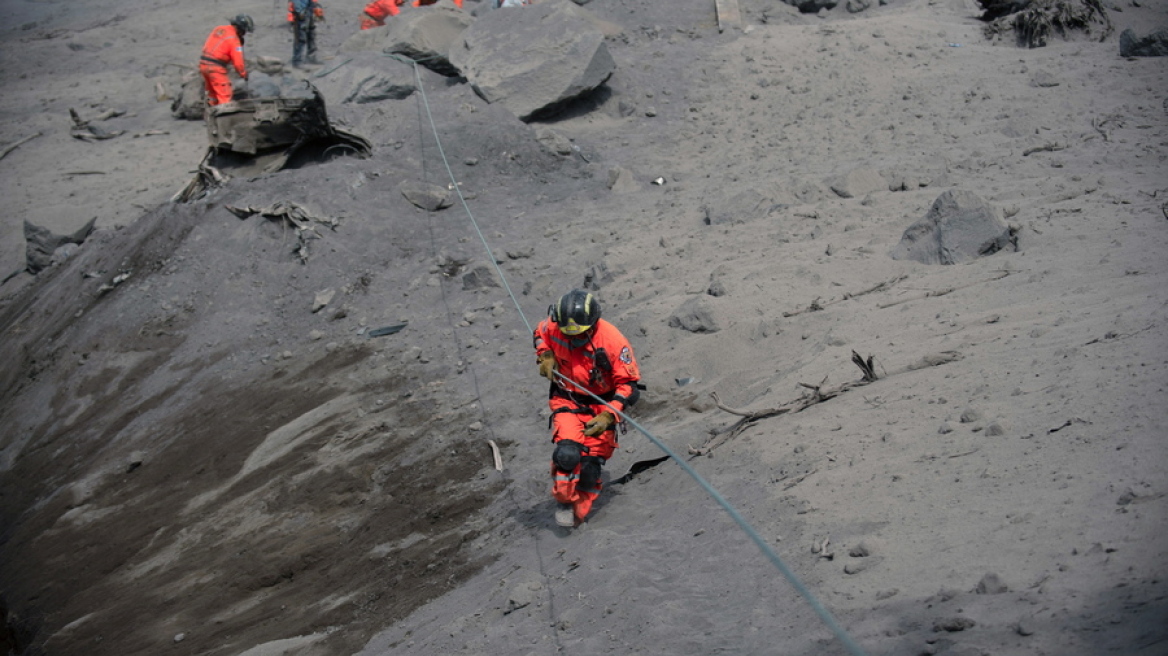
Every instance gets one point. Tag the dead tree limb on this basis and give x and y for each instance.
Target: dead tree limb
(816, 306)
(18, 144)
(816, 394)
(942, 292)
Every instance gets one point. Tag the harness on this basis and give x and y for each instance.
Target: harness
(212, 60)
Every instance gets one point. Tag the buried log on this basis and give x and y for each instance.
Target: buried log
(817, 394)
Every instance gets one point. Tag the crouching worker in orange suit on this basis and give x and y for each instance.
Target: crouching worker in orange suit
(376, 11)
(575, 343)
(224, 46)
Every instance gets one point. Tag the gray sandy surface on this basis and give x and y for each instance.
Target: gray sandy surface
(196, 462)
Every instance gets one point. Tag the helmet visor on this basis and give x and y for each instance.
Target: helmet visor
(572, 328)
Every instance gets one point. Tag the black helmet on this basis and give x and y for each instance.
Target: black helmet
(243, 23)
(576, 312)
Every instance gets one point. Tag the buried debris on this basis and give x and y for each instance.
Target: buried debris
(256, 136)
(86, 131)
(1033, 22)
(638, 467)
(297, 216)
(386, 330)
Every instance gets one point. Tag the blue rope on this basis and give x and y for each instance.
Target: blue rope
(787, 573)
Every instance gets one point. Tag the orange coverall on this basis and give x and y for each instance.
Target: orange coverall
(422, 3)
(613, 380)
(223, 47)
(376, 11)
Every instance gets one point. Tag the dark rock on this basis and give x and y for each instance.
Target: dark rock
(959, 227)
(536, 60)
(480, 276)
(953, 624)
(1153, 45)
(812, 6)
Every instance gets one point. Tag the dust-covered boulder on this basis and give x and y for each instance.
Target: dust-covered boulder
(189, 102)
(367, 78)
(959, 227)
(427, 34)
(534, 60)
(430, 197)
(697, 315)
(858, 182)
(1153, 45)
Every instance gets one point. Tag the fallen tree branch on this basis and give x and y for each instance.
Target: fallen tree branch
(817, 306)
(817, 394)
(18, 144)
(1050, 147)
(942, 292)
(495, 452)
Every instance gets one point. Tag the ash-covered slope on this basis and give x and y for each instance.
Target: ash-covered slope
(198, 452)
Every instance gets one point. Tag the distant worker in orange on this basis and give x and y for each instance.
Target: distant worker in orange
(224, 46)
(302, 15)
(376, 11)
(423, 3)
(574, 343)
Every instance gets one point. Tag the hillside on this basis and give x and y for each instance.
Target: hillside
(196, 460)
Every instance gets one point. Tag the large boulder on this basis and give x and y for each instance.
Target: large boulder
(427, 34)
(368, 77)
(1153, 45)
(534, 60)
(959, 227)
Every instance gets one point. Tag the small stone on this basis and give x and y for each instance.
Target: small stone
(476, 426)
(953, 624)
(179, 637)
(316, 335)
(991, 583)
(1023, 628)
(995, 428)
(969, 415)
(945, 428)
(887, 594)
(322, 298)
(650, 112)
(1128, 496)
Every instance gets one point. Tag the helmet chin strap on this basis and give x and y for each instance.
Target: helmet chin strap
(581, 339)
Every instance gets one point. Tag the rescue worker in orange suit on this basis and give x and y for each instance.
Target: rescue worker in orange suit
(423, 3)
(302, 15)
(376, 11)
(224, 46)
(575, 343)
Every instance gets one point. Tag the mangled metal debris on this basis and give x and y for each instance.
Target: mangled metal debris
(256, 136)
(299, 217)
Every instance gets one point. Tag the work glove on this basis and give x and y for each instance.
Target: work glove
(548, 365)
(599, 424)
